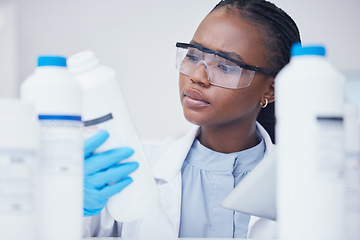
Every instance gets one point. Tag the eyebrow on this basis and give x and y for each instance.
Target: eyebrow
(229, 54)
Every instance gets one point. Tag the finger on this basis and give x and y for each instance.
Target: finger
(89, 213)
(113, 189)
(93, 198)
(111, 175)
(104, 160)
(94, 142)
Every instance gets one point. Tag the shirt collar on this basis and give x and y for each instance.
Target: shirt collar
(206, 159)
(171, 160)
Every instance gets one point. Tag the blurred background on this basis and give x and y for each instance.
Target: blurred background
(137, 39)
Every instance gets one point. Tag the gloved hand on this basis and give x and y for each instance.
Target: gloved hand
(103, 176)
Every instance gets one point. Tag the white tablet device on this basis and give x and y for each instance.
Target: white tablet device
(256, 193)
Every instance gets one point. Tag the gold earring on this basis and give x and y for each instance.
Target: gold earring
(265, 104)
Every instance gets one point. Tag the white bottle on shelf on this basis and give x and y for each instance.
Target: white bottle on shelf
(18, 168)
(352, 172)
(310, 147)
(57, 99)
(105, 108)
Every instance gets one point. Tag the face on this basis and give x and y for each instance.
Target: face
(208, 105)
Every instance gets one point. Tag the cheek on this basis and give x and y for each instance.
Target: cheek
(181, 84)
(235, 104)
(238, 104)
(182, 81)
(238, 99)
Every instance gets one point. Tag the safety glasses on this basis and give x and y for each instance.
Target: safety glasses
(221, 70)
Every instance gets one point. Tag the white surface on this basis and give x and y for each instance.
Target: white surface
(18, 163)
(170, 239)
(256, 194)
(352, 172)
(8, 48)
(137, 39)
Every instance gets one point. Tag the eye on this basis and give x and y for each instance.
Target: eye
(227, 69)
(192, 57)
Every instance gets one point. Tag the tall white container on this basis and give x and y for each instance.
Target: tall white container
(18, 166)
(310, 139)
(57, 99)
(352, 172)
(105, 108)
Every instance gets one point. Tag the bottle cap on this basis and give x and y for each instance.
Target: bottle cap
(57, 61)
(298, 50)
(82, 62)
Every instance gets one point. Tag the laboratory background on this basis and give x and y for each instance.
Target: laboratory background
(137, 39)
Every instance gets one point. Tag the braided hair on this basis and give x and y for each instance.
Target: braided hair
(279, 32)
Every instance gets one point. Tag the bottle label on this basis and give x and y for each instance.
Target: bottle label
(99, 120)
(352, 180)
(330, 148)
(17, 184)
(105, 122)
(61, 146)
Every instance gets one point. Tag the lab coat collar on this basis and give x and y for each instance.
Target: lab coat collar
(170, 163)
(268, 143)
(167, 172)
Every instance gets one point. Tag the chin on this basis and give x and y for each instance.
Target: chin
(195, 119)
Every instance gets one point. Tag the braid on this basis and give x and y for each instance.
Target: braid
(279, 30)
(280, 33)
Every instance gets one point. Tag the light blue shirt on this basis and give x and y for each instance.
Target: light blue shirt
(207, 178)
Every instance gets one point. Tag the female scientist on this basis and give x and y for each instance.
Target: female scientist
(226, 77)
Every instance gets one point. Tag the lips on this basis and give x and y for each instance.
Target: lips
(194, 98)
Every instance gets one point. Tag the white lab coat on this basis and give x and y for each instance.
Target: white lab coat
(166, 160)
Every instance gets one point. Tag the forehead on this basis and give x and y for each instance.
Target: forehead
(222, 31)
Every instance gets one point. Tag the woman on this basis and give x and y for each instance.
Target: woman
(226, 77)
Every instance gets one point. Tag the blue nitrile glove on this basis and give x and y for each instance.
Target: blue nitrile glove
(103, 176)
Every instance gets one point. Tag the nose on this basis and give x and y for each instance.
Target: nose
(200, 75)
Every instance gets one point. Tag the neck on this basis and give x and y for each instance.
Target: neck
(229, 139)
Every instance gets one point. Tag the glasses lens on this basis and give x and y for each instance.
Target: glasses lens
(229, 75)
(188, 59)
(221, 72)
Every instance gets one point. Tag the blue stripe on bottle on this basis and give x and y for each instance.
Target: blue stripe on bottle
(60, 117)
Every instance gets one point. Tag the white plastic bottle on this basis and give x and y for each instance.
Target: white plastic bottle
(57, 99)
(105, 108)
(18, 165)
(352, 172)
(310, 145)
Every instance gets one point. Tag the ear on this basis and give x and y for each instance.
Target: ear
(270, 89)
